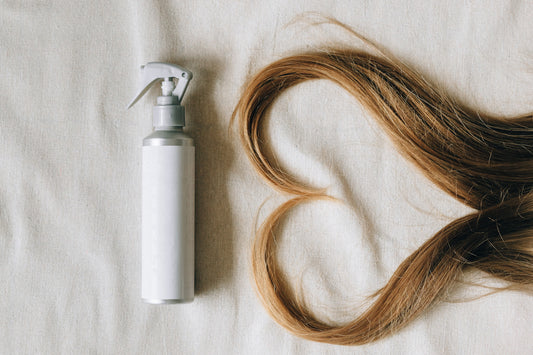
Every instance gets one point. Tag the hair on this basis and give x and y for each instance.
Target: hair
(483, 161)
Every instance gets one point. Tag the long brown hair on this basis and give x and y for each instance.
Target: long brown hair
(485, 162)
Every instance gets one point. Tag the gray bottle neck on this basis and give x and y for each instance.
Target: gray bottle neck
(177, 129)
(168, 113)
(168, 136)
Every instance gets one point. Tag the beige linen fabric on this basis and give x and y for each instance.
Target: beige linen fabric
(70, 157)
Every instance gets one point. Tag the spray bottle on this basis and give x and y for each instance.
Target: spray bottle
(167, 191)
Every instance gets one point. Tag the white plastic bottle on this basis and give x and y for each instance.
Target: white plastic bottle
(167, 192)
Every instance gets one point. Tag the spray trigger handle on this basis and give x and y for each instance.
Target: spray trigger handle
(156, 71)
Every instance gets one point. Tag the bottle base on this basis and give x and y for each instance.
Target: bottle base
(166, 301)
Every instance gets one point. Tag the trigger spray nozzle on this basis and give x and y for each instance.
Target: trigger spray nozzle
(168, 112)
